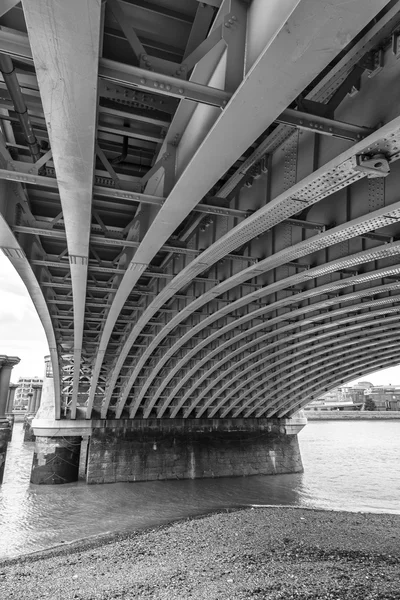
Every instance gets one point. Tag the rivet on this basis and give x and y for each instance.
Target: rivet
(161, 86)
(143, 81)
(227, 25)
(180, 90)
(168, 87)
(145, 57)
(156, 84)
(234, 18)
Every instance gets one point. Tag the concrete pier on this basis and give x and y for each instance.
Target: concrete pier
(156, 449)
(56, 460)
(6, 365)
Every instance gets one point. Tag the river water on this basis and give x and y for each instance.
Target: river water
(353, 465)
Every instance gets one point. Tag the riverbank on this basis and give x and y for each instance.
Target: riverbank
(263, 553)
(352, 415)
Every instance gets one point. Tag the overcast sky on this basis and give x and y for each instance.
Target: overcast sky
(21, 333)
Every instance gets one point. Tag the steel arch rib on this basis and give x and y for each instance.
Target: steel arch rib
(272, 404)
(264, 405)
(294, 344)
(346, 374)
(269, 323)
(17, 257)
(204, 169)
(350, 341)
(264, 338)
(222, 400)
(65, 41)
(285, 205)
(265, 380)
(351, 260)
(372, 221)
(310, 388)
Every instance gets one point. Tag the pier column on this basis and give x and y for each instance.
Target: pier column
(6, 365)
(31, 403)
(56, 460)
(153, 449)
(11, 398)
(37, 390)
(5, 375)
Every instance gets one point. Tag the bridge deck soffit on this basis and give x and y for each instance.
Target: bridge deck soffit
(214, 202)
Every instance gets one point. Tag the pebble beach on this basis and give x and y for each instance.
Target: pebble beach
(255, 553)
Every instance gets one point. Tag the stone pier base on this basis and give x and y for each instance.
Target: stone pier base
(29, 436)
(56, 460)
(156, 449)
(5, 437)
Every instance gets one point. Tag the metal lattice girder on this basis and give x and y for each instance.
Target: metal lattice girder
(322, 290)
(245, 399)
(118, 242)
(358, 226)
(275, 393)
(110, 193)
(223, 144)
(335, 376)
(67, 72)
(333, 236)
(287, 343)
(304, 350)
(264, 338)
(366, 358)
(249, 346)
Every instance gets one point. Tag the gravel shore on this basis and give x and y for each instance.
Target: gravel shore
(262, 553)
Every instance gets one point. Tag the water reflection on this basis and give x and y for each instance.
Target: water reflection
(347, 465)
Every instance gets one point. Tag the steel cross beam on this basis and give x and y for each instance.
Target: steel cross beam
(65, 42)
(224, 144)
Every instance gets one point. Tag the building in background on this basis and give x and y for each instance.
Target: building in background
(354, 397)
(384, 397)
(26, 394)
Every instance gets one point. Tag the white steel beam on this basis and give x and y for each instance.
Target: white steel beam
(16, 255)
(290, 57)
(65, 38)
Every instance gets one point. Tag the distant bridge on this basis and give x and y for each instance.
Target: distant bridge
(202, 200)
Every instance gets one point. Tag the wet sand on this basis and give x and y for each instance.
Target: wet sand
(262, 553)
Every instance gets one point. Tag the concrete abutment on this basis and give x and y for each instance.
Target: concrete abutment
(157, 449)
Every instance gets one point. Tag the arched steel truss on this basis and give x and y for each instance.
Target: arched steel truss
(214, 214)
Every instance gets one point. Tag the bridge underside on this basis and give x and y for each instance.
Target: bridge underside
(202, 200)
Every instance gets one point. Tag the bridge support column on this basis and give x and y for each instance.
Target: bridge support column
(56, 460)
(155, 449)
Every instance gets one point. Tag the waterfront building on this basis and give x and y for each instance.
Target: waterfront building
(384, 397)
(27, 393)
(354, 397)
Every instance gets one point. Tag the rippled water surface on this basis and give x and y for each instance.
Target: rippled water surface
(348, 465)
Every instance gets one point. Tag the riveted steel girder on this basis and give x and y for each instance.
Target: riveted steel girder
(65, 41)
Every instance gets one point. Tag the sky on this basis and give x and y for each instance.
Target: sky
(21, 333)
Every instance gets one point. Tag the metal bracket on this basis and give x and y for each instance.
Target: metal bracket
(396, 44)
(374, 166)
(373, 62)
